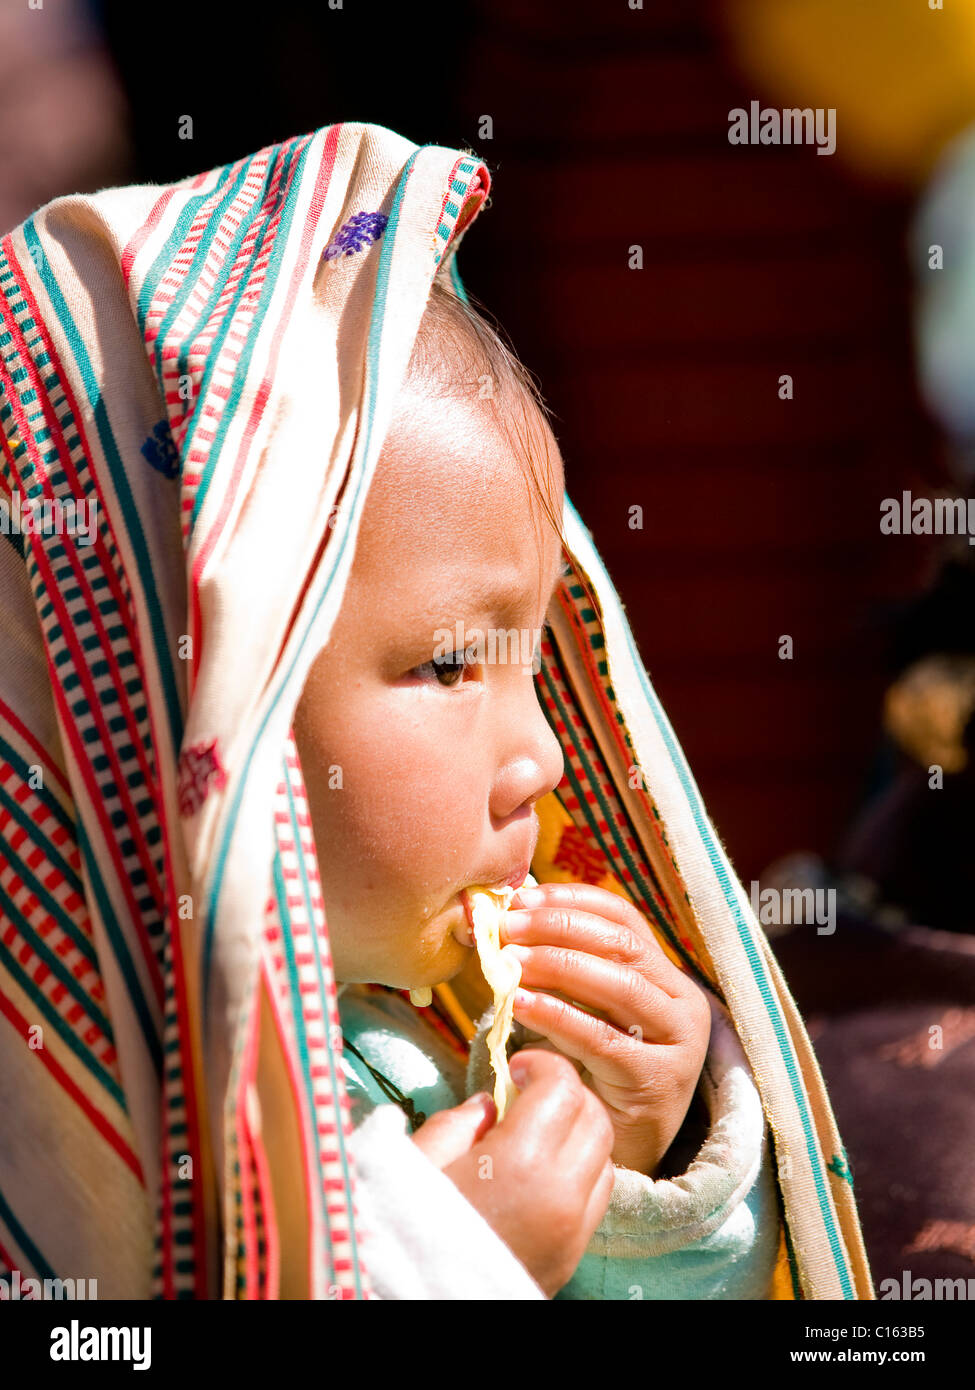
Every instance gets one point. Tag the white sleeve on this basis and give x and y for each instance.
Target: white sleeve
(418, 1235)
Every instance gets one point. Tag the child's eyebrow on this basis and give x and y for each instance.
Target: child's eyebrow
(500, 597)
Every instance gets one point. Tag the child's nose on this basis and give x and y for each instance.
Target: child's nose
(533, 764)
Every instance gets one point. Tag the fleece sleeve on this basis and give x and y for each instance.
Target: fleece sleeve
(710, 1232)
(419, 1238)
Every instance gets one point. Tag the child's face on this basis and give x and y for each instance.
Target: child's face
(439, 774)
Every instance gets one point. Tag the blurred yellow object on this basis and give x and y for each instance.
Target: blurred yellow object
(900, 75)
(928, 708)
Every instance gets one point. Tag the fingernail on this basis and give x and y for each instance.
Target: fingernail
(529, 897)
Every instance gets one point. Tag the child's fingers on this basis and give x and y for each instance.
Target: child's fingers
(449, 1134)
(587, 897)
(550, 1097)
(608, 1053)
(586, 927)
(626, 997)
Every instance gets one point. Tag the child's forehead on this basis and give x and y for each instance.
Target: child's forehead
(453, 514)
(444, 461)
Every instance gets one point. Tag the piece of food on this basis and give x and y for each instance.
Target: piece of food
(503, 974)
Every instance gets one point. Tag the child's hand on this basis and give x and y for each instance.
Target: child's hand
(644, 1061)
(543, 1178)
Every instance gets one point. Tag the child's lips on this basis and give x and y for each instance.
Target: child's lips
(464, 930)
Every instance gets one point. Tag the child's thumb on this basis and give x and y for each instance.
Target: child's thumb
(449, 1134)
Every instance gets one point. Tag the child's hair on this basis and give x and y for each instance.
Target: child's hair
(460, 353)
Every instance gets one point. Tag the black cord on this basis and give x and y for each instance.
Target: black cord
(392, 1092)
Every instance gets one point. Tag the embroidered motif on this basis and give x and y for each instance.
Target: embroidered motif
(160, 450)
(198, 768)
(838, 1165)
(356, 235)
(579, 856)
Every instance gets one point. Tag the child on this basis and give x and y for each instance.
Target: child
(236, 745)
(463, 752)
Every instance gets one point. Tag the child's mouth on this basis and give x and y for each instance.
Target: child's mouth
(464, 930)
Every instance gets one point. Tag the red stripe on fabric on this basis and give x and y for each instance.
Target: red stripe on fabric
(106, 569)
(96, 709)
(190, 1103)
(95, 797)
(136, 242)
(70, 1087)
(478, 186)
(312, 570)
(7, 1258)
(169, 905)
(244, 1153)
(12, 718)
(596, 684)
(301, 1108)
(167, 900)
(209, 542)
(340, 1217)
(166, 1215)
(272, 1249)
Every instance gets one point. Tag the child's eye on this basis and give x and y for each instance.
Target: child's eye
(448, 669)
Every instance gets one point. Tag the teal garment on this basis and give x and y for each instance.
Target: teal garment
(396, 1042)
(734, 1261)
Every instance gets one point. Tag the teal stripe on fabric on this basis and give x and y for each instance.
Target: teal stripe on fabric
(41, 1266)
(260, 313)
(226, 270)
(58, 968)
(371, 387)
(372, 353)
(793, 1267)
(39, 837)
(191, 276)
(120, 482)
(719, 864)
(51, 804)
(120, 950)
(332, 1061)
(176, 240)
(592, 784)
(64, 1030)
(298, 160)
(288, 947)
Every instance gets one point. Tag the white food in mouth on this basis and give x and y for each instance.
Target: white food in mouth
(503, 974)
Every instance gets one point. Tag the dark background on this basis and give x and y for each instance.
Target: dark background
(761, 516)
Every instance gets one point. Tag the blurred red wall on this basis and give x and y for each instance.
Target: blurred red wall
(761, 516)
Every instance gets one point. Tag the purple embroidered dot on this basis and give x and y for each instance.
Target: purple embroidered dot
(160, 450)
(357, 234)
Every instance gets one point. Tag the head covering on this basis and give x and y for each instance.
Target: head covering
(212, 366)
